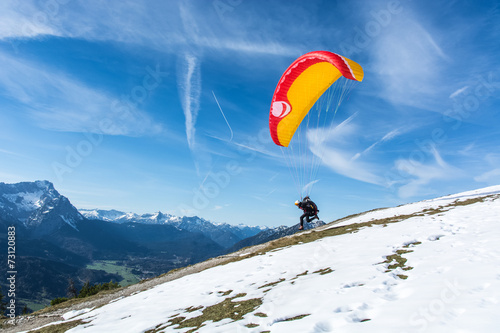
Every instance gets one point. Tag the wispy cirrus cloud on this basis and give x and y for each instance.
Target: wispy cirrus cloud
(389, 136)
(342, 163)
(419, 175)
(339, 149)
(24, 20)
(336, 150)
(95, 20)
(492, 176)
(333, 147)
(409, 64)
(184, 28)
(162, 26)
(8, 152)
(458, 92)
(58, 102)
(189, 85)
(189, 74)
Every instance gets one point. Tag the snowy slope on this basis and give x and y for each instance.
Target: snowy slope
(435, 269)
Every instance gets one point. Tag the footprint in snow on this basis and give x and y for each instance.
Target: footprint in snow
(435, 237)
(322, 326)
(344, 308)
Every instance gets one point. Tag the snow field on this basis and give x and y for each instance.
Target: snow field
(449, 283)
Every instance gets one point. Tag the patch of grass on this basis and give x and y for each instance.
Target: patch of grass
(59, 328)
(157, 329)
(324, 271)
(177, 320)
(228, 308)
(433, 211)
(297, 276)
(225, 293)
(475, 200)
(396, 260)
(251, 325)
(297, 317)
(260, 314)
(301, 274)
(194, 308)
(272, 284)
(411, 244)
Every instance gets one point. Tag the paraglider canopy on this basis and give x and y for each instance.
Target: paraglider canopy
(300, 86)
(304, 105)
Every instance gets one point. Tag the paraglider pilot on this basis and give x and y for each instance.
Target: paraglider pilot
(310, 210)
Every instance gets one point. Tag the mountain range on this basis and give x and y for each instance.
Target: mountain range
(56, 242)
(223, 234)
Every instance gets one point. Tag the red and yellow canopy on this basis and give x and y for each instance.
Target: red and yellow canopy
(300, 86)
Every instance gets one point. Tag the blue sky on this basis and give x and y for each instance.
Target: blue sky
(116, 103)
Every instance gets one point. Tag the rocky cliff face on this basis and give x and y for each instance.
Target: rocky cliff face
(36, 206)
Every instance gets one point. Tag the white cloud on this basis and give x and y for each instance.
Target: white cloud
(420, 175)
(333, 134)
(492, 158)
(331, 146)
(467, 150)
(342, 163)
(458, 92)
(308, 187)
(490, 177)
(389, 136)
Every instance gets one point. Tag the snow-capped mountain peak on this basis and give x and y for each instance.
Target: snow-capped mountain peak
(36, 206)
(27, 196)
